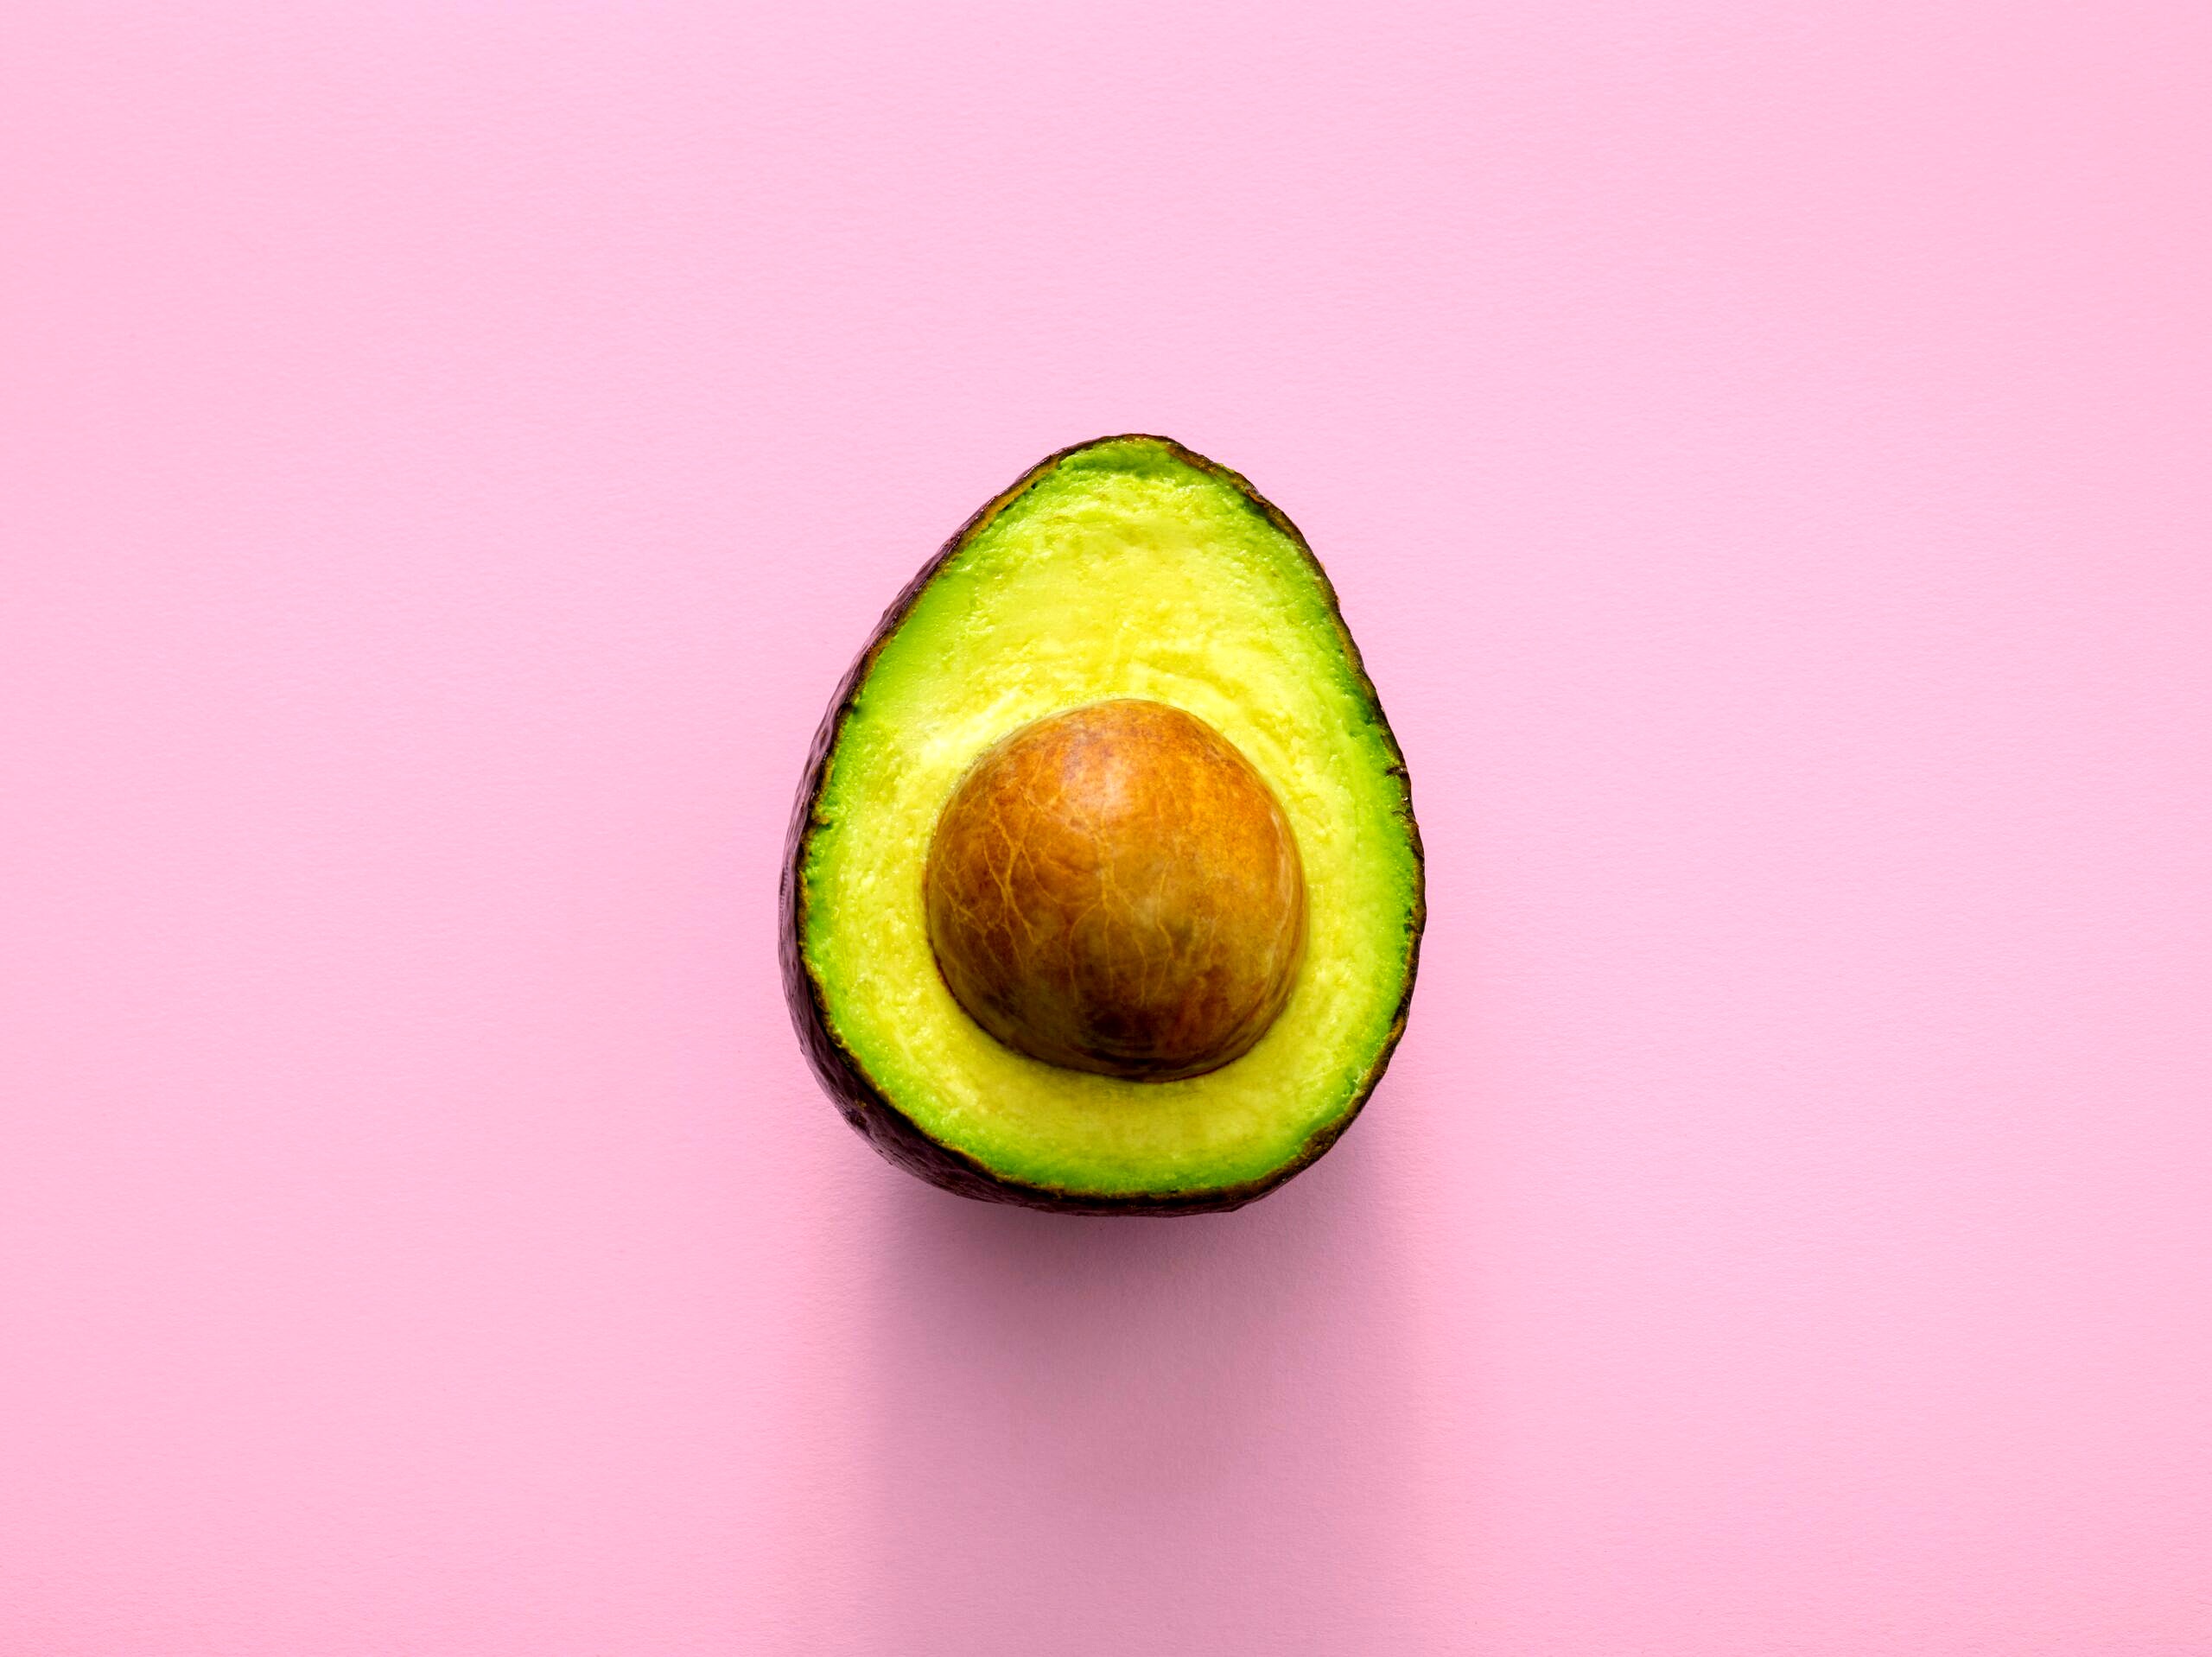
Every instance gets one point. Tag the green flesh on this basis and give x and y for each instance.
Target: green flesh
(1121, 570)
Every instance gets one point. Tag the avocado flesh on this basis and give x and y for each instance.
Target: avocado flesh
(1127, 567)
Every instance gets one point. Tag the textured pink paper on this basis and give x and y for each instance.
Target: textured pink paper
(451, 452)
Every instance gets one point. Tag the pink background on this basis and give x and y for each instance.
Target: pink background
(451, 451)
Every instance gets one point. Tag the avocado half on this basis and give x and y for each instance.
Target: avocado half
(1125, 567)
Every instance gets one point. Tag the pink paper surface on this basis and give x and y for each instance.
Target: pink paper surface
(451, 450)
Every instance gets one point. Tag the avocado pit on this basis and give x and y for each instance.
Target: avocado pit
(1115, 889)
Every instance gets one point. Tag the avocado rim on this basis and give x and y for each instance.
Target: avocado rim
(863, 1104)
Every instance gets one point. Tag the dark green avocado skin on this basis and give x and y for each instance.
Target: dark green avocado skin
(853, 1092)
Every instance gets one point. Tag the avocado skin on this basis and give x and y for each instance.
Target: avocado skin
(895, 1135)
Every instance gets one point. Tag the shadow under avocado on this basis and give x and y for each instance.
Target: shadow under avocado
(1083, 1425)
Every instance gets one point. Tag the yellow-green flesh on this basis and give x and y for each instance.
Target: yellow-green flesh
(1121, 571)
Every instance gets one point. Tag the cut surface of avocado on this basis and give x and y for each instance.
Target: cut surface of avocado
(1128, 567)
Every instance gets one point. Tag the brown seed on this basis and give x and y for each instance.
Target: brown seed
(1115, 889)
